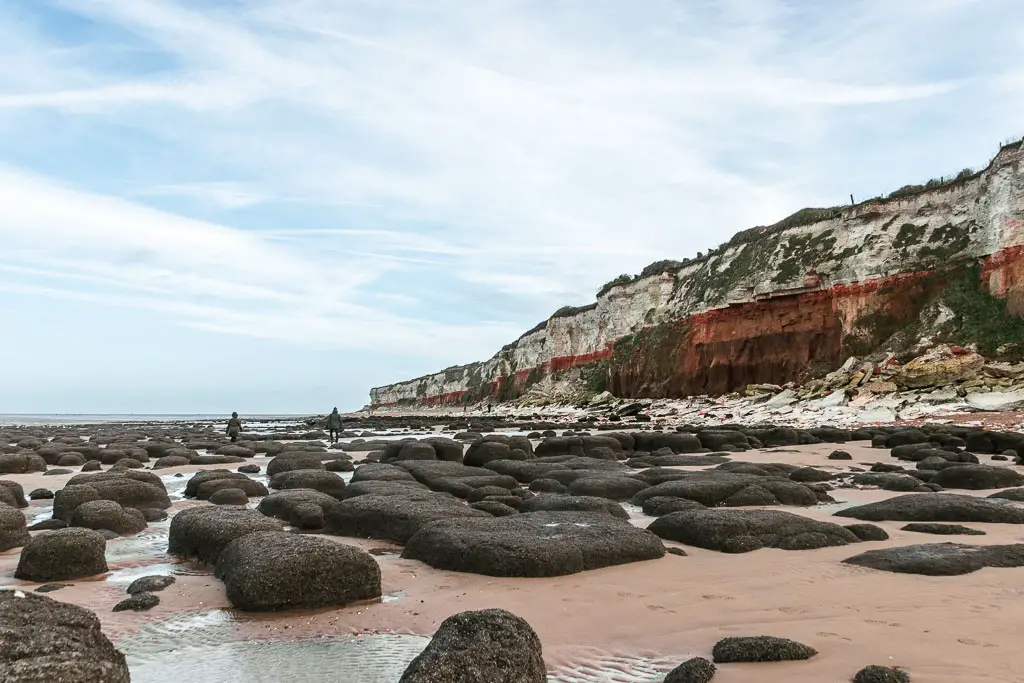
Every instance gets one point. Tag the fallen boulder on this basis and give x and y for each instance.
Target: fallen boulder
(63, 555)
(760, 649)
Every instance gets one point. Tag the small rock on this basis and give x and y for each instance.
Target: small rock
(50, 587)
(150, 584)
(696, 670)
(41, 494)
(840, 455)
(942, 529)
(881, 674)
(760, 649)
(140, 602)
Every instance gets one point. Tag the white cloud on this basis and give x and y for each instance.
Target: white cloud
(532, 149)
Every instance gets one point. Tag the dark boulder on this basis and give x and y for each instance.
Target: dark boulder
(235, 451)
(48, 525)
(11, 493)
(607, 486)
(937, 507)
(494, 508)
(696, 670)
(200, 478)
(106, 514)
(13, 530)
(547, 486)
(139, 602)
(473, 647)
(21, 463)
(532, 545)
(318, 480)
(1016, 494)
(45, 640)
(760, 649)
(250, 487)
(942, 529)
(664, 505)
(294, 460)
(868, 532)
(734, 531)
(393, 517)
(171, 461)
(301, 508)
(881, 674)
(676, 442)
(889, 481)
(41, 494)
(380, 472)
(398, 451)
(480, 453)
(63, 555)
(977, 477)
(729, 489)
(554, 502)
(275, 570)
(229, 496)
(203, 532)
(150, 584)
(940, 559)
(839, 455)
(249, 469)
(811, 474)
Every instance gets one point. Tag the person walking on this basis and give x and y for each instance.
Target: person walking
(334, 425)
(234, 427)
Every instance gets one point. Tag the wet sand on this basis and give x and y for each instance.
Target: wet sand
(941, 629)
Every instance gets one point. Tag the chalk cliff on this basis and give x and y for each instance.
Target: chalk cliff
(778, 301)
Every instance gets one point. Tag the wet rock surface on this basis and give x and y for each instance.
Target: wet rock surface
(942, 529)
(49, 641)
(138, 602)
(150, 584)
(489, 645)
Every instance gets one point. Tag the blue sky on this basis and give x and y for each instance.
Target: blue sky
(272, 205)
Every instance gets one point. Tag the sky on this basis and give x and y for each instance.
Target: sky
(270, 206)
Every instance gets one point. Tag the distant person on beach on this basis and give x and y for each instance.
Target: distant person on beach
(234, 427)
(334, 425)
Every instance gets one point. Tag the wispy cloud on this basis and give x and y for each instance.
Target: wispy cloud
(529, 150)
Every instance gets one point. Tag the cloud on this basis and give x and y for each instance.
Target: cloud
(506, 151)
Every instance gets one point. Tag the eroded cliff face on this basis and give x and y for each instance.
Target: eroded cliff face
(772, 302)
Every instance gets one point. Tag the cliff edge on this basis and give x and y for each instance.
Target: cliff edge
(781, 302)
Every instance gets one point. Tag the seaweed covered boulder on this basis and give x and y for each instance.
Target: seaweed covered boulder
(295, 460)
(940, 559)
(532, 545)
(200, 478)
(612, 487)
(203, 532)
(63, 555)
(13, 529)
(393, 517)
(21, 463)
(106, 514)
(12, 493)
(276, 570)
(740, 531)
(472, 647)
(978, 477)
(730, 489)
(881, 674)
(318, 480)
(45, 640)
(760, 649)
(696, 670)
(555, 502)
(301, 508)
(937, 507)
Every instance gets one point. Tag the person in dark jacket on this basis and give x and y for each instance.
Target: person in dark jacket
(234, 427)
(334, 425)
